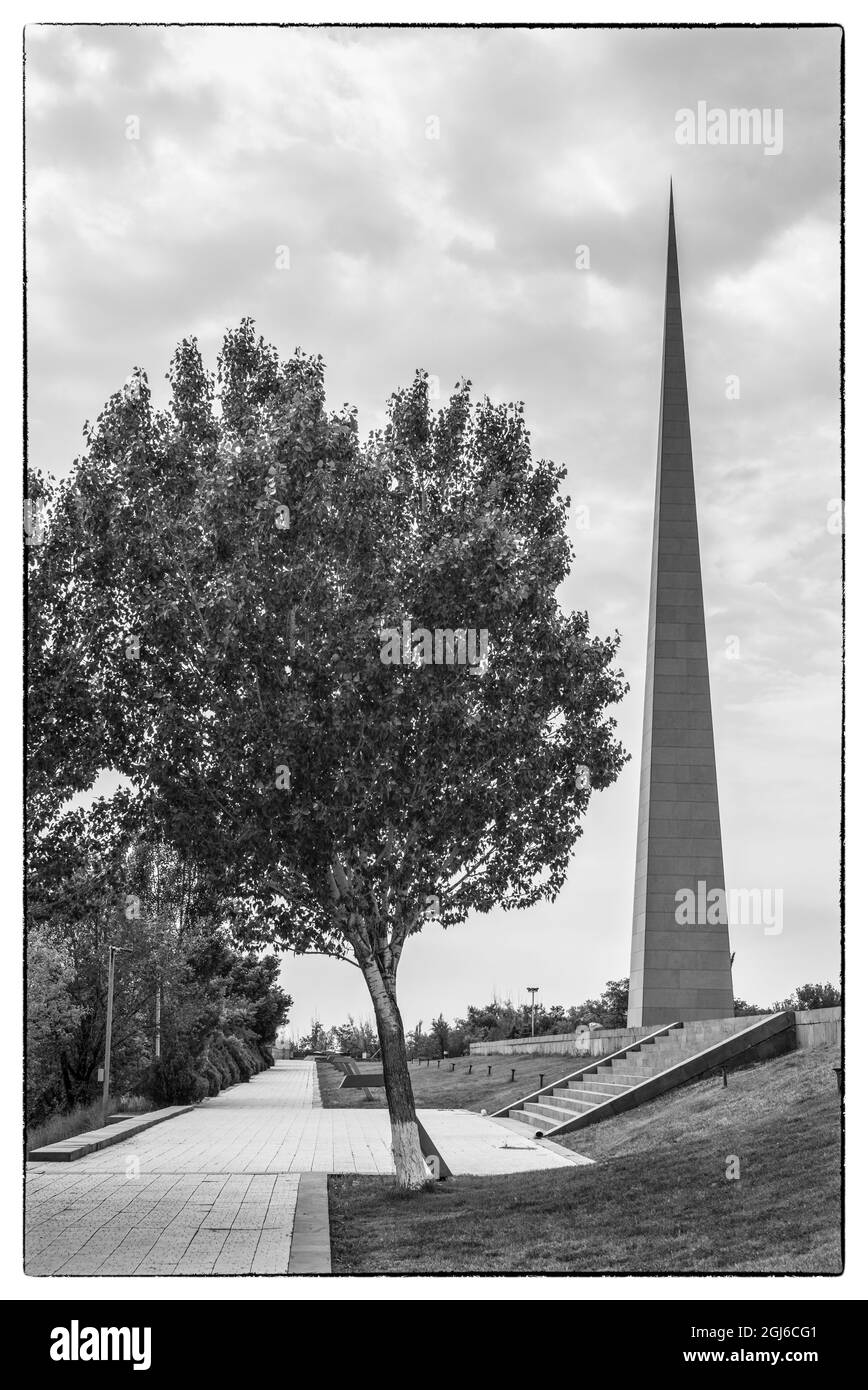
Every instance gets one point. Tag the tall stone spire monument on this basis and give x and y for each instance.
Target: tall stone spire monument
(679, 961)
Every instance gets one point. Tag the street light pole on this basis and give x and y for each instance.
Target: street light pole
(107, 1061)
(533, 991)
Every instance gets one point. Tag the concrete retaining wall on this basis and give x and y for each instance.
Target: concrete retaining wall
(814, 1028)
(601, 1043)
(818, 1027)
(563, 1043)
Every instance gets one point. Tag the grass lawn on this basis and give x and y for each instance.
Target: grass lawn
(443, 1089)
(657, 1199)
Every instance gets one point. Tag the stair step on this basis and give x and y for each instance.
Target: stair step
(554, 1114)
(578, 1102)
(610, 1088)
(663, 1060)
(526, 1118)
(638, 1067)
(572, 1101)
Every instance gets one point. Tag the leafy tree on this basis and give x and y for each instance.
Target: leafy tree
(317, 1040)
(741, 1008)
(415, 1042)
(610, 1010)
(64, 737)
(229, 566)
(52, 1022)
(95, 879)
(79, 872)
(812, 996)
(355, 1039)
(614, 1004)
(440, 1034)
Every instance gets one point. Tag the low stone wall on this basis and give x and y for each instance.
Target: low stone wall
(814, 1028)
(710, 1031)
(818, 1027)
(599, 1043)
(607, 1040)
(563, 1043)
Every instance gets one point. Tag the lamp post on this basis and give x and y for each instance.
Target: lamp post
(533, 991)
(108, 1027)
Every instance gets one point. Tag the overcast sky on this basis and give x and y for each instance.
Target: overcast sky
(432, 188)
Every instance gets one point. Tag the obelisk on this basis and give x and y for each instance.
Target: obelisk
(680, 956)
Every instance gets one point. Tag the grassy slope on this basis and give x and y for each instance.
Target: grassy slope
(657, 1199)
(442, 1089)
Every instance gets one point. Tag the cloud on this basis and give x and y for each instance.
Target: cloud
(432, 187)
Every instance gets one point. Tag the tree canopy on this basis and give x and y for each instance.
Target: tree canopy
(214, 587)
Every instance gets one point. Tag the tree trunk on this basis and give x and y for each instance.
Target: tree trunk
(67, 1080)
(411, 1170)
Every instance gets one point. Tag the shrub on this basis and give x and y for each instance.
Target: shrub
(174, 1080)
(241, 1056)
(211, 1076)
(223, 1059)
(133, 1105)
(218, 1060)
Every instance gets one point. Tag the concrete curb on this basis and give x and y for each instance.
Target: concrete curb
(310, 1251)
(94, 1139)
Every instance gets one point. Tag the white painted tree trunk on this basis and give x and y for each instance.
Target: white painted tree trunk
(411, 1170)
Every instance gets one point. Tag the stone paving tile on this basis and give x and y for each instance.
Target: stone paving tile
(132, 1250)
(272, 1253)
(236, 1186)
(202, 1253)
(238, 1252)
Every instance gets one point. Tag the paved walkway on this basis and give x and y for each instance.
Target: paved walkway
(217, 1191)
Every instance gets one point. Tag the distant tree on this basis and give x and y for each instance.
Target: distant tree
(317, 1040)
(355, 1039)
(440, 1034)
(549, 1018)
(494, 1020)
(741, 1009)
(415, 1042)
(614, 1003)
(610, 1010)
(812, 996)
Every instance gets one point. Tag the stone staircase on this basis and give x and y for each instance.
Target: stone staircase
(666, 1058)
